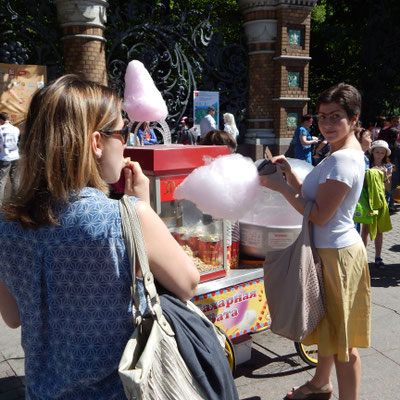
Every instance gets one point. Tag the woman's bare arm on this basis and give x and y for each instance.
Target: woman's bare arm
(9, 308)
(305, 142)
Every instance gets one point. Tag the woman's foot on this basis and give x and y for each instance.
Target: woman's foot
(310, 392)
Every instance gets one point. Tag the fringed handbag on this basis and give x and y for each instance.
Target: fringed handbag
(294, 286)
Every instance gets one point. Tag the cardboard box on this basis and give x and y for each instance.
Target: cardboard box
(18, 83)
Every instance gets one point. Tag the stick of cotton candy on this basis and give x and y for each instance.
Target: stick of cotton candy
(142, 100)
(224, 188)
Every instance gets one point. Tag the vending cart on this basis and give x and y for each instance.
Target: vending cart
(231, 297)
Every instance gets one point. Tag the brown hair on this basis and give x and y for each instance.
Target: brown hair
(56, 156)
(4, 116)
(219, 138)
(346, 96)
(360, 132)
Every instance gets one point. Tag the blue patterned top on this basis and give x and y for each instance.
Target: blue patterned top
(72, 286)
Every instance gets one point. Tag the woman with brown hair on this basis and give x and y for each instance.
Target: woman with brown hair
(65, 275)
(220, 138)
(334, 187)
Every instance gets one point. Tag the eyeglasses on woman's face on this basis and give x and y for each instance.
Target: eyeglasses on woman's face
(123, 133)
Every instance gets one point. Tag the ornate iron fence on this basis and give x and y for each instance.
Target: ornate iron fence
(29, 35)
(181, 53)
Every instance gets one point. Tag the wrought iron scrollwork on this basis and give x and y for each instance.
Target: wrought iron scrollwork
(180, 56)
(29, 35)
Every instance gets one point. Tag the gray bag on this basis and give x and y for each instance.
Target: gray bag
(294, 286)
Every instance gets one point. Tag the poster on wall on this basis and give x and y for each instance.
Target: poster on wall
(18, 83)
(201, 101)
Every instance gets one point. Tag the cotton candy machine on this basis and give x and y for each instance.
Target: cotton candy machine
(271, 223)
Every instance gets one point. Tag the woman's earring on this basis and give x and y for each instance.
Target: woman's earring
(100, 153)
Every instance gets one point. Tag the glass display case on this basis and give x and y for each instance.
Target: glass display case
(202, 237)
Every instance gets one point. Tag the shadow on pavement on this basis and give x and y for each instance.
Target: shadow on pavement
(261, 366)
(385, 278)
(395, 247)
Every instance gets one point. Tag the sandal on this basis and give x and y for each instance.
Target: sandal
(322, 393)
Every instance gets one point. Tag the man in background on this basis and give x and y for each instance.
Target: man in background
(9, 154)
(207, 123)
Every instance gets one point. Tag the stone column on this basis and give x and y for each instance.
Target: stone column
(278, 33)
(82, 23)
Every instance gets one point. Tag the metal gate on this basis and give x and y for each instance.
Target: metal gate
(183, 50)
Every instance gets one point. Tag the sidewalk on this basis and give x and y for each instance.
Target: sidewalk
(275, 367)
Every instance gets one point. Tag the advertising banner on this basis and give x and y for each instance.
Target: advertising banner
(201, 101)
(239, 309)
(18, 83)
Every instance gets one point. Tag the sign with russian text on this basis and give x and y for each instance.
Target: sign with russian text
(239, 309)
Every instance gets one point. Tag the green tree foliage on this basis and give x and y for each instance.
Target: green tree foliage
(356, 42)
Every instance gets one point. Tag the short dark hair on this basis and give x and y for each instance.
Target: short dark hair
(345, 95)
(4, 116)
(211, 108)
(306, 117)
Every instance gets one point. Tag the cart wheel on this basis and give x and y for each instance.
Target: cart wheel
(309, 354)
(229, 351)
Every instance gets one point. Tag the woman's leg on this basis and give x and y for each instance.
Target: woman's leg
(322, 376)
(349, 376)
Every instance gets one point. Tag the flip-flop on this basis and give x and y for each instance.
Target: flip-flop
(322, 393)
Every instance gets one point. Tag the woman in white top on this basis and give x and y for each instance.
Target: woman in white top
(230, 125)
(334, 187)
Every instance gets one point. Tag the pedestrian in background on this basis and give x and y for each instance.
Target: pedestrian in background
(220, 138)
(147, 135)
(230, 125)
(188, 133)
(378, 185)
(65, 273)
(334, 186)
(9, 154)
(207, 123)
(303, 139)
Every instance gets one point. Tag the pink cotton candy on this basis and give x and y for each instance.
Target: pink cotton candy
(225, 188)
(142, 100)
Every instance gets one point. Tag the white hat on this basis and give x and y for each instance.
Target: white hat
(380, 143)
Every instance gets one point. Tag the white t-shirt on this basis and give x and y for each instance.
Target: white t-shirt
(9, 135)
(206, 125)
(345, 166)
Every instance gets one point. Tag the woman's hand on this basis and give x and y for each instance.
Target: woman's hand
(282, 161)
(273, 181)
(136, 182)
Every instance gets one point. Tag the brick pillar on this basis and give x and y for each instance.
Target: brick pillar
(82, 23)
(278, 36)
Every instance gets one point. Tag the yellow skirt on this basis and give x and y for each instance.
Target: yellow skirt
(347, 322)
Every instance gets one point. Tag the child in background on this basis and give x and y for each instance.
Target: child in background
(378, 186)
(379, 158)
